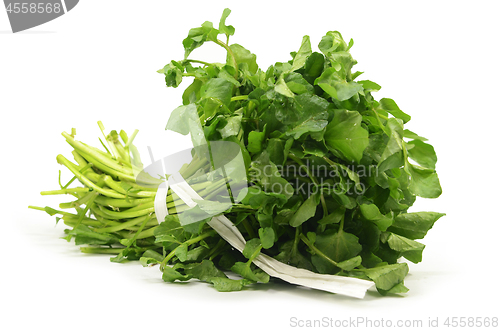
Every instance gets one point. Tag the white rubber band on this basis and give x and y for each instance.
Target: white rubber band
(348, 286)
(183, 190)
(161, 209)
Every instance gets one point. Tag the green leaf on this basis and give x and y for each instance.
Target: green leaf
(146, 261)
(50, 211)
(85, 235)
(251, 247)
(197, 37)
(344, 200)
(410, 249)
(312, 113)
(314, 67)
(390, 106)
(305, 212)
(412, 135)
(269, 177)
(232, 127)
(311, 236)
(289, 254)
(206, 271)
(183, 118)
(197, 253)
(338, 246)
(264, 202)
(228, 72)
(350, 264)
(369, 86)
(173, 74)
(152, 254)
(181, 252)
(332, 42)
(255, 139)
(282, 88)
(315, 148)
(388, 276)
(150, 257)
(422, 153)
(393, 156)
(344, 133)
(223, 28)
(244, 270)
(297, 84)
(414, 225)
(335, 216)
(171, 275)
(217, 88)
(223, 284)
(244, 56)
(372, 213)
(304, 51)
(267, 237)
(276, 149)
(192, 93)
(396, 289)
(356, 74)
(336, 86)
(169, 231)
(423, 182)
(348, 172)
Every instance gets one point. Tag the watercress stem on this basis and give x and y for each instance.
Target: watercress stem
(317, 251)
(231, 55)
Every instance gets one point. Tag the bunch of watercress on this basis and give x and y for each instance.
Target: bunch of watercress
(332, 172)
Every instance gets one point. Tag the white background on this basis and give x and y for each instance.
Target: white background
(438, 60)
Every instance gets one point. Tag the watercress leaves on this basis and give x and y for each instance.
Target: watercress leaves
(305, 211)
(312, 115)
(336, 86)
(345, 134)
(244, 56)
(301, 56)
(388, 276)
(391, 107)
(228, 30)
(338, 246)
(217, 88)
(373, 214)
(414, 225)
(422, 153)
(424, 182)
(332, 42)
(393, 155)
(409, 248)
